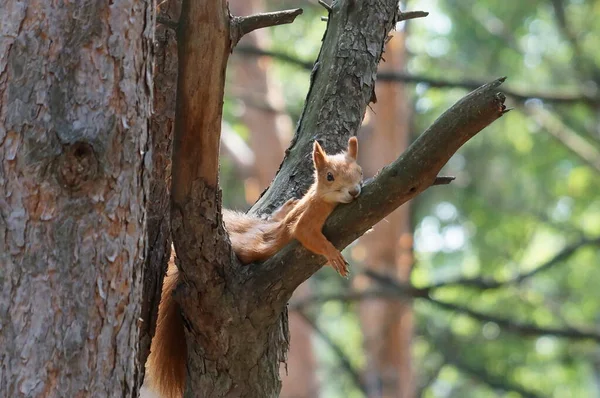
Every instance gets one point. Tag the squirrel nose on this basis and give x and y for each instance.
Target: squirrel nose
(355, 191)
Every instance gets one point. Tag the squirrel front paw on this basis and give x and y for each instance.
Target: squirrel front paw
(338, 263)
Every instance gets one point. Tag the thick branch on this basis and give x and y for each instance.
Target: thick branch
(241, 26)
(410, 174)
(203, 52)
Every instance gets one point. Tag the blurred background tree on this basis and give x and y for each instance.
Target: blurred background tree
(500, 297)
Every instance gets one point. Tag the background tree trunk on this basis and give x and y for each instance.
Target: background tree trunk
(75, 103)
(387, 324)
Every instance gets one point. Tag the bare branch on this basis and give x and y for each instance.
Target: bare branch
(241, 26)
(405, 16)
(158, 201)
(443, 180)
(559, 97)
(325, 5)
(410, 174)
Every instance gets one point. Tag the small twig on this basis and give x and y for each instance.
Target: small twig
(241, 26)
(324, 19)
(325, 5)
(443, 180)
(166, 21)
(404, 16)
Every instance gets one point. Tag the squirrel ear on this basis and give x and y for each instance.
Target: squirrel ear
(318, 156)
(353, 147)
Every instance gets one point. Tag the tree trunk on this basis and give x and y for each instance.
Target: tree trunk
(161, 131)
(74, 106)
(387, 324)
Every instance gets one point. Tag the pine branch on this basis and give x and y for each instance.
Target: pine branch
(241, 26)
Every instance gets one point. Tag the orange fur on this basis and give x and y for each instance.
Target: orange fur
(337, 180)
(166, 366)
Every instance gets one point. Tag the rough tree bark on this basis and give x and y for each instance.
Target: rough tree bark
(236, 317)
(157, 207)
(75, 94)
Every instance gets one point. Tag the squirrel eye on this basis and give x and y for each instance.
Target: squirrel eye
(330, 177)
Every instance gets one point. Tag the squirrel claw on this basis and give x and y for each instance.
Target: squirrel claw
(338, 262)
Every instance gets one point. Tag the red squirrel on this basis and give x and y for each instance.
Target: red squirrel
(337, 180)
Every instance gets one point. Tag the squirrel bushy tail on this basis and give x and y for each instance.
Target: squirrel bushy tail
(166, 367)
(254, 239)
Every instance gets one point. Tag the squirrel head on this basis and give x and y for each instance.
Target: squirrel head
(338, 178)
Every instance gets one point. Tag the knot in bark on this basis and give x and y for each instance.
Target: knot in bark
(77, 165)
